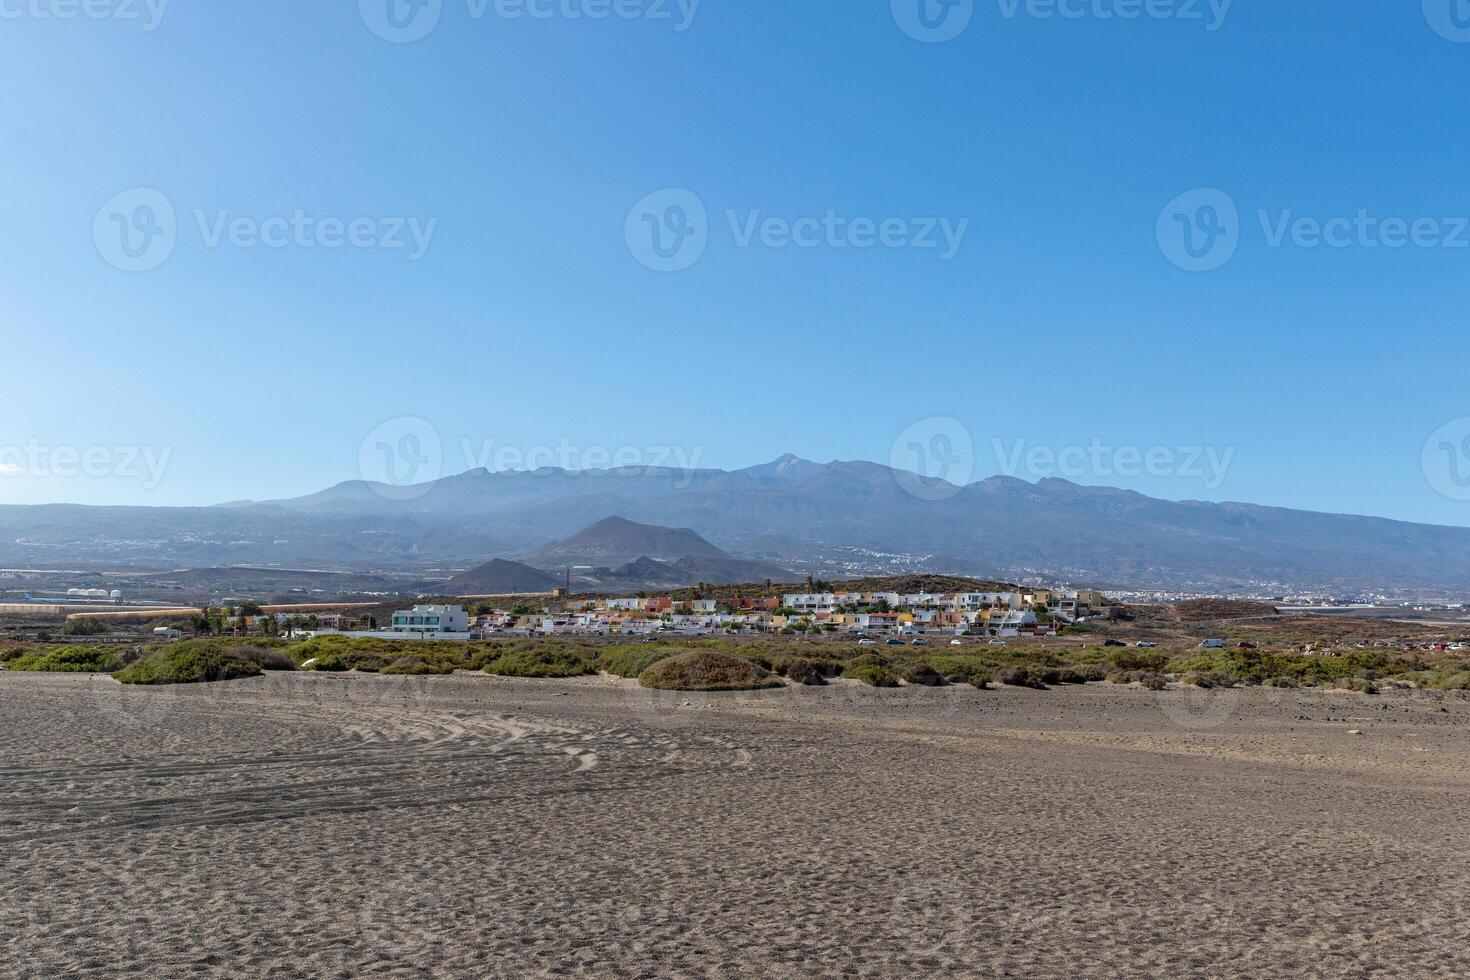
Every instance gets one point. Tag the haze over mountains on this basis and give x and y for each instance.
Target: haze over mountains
(790, 513)
(619, 554)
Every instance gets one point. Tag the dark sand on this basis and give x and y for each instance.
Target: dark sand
(359, 826)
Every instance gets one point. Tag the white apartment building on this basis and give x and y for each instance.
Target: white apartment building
(976, 601)
(811, 602)
(431, 619)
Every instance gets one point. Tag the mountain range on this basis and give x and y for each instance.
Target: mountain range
(618, 554)
(826, 518)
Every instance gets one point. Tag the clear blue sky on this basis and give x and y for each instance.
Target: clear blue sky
(1060, 322)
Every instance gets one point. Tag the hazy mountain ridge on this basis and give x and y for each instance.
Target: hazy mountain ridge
(1096, 534)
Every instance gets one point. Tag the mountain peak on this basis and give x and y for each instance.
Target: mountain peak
(787, 467)
(617, 540)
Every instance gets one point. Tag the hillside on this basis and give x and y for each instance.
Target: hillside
(617, 541)
(830, 518)
(501, 577)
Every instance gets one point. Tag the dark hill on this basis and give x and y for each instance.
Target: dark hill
(616, 541)
(501, 577)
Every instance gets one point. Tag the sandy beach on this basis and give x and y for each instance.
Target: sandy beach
(300, 825)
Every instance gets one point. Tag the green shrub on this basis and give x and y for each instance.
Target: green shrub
(631, 662)
(372, 654)
(1014, 675)
(1132, 660)
(871, 675)
(805, 672)
(980, 681)
(1258, 666)
(958, 669)
(415, 666)
(267, 659)
(1457, 681)
(866, 660)
(923, 675)
(84, 627)
(70, 660)
(703, 670)
(1153, 682)
(186, 663)
(338, 661)
(539, 663)
(1356, 685)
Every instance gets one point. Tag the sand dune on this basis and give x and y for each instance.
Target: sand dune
(355, 826)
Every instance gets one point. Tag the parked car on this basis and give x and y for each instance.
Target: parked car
(893, 643)
(997, 643)
(1212, 645)
(956, 643)
(921, 642)
(867, 643)
(1246, 646)
(1115, 643)
(1145, 644)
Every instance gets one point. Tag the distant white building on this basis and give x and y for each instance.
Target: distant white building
(431, 619)
(810, 602)
(1012, 623)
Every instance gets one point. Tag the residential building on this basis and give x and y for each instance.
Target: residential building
(431, 619)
